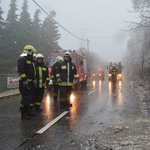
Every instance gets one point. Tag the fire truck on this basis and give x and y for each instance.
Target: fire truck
(81, 65)
(119, 68)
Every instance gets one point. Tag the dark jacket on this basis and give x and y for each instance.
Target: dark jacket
(114, 70)
(66, 72)
(53, 71)
(41, 74)
(26, 69)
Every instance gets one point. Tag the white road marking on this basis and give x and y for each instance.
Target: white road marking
(90, 92)
(51, 123)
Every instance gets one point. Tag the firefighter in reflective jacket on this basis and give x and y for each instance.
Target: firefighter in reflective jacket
(66, 73)
(27, 72)
(59, 59)
(41, 79)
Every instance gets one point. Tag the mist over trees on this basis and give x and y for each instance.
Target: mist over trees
(20, 30)
(136, 59)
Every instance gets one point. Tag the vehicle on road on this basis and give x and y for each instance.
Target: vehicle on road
(81, 65)
(119, 68)
(98, 74)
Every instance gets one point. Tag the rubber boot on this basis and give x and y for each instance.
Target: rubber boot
(37, 108)
(30, 111)
(24, 113)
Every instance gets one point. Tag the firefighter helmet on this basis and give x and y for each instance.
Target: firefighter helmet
(39, 56)
(113, 66)
(59, 58)
(67, 54)
(29, 49)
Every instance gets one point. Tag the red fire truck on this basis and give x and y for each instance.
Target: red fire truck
(81, 65)
(119, 68)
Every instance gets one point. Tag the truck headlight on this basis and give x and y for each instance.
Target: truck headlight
(109, 74)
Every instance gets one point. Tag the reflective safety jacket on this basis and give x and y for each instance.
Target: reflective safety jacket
(66, 72)
(41, 74)
(26, 69)
(53, 72)
(114, 71)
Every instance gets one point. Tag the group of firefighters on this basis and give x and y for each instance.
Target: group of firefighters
(34, 77)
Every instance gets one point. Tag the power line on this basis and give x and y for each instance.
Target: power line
(57, 22)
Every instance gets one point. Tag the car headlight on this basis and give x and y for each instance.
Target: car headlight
(99, 74)
(93, 74)
(109, 74)
(120, 75)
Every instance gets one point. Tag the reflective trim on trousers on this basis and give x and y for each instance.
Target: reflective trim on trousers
(37, 103)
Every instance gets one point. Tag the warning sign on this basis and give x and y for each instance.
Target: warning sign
(12, 82)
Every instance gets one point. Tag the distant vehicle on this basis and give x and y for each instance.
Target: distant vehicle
(119, 68)
(98, 73)
(81, 65)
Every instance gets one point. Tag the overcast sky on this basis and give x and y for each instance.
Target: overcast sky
(101, 21)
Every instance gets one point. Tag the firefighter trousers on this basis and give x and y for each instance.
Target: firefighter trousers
(55, 91)
(65, 92)
(27, 95)
(39, 93)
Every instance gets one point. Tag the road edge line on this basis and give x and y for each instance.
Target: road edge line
(90, 93)
(51, 123)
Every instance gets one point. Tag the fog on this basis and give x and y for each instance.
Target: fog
(100, 21)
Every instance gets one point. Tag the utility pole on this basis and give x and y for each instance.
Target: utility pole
(88, 57)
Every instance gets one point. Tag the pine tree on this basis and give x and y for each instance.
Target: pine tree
(49, 36)
(8, 47)
(25, 27)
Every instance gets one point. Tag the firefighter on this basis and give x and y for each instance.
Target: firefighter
(41, 79)
(27, 72)
(114, 73)
(66, 73)
(34, 57)
(59, 59)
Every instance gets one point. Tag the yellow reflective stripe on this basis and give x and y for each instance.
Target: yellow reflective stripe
(21, 105)
(43, 84)
(55, 94)
(65, 84)
(63, 67)
(52, 76)
(47, 79)
(23, 75)
(40, 77)
(34, 70)
(75, 76)
(72, 67)
(62, 100)
(58, 75)
(20, 78)
(37, 103)
(44, 69)
(31, 104)
(28, 62)
(29, 80)
(56, 83)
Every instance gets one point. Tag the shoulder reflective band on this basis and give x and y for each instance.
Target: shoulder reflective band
(63, 67)
(22, 76)
(75, 76)
(47, 79)
(21, 105)
(28, 62)
(40, 78)
(44, 69)
(37, 103)
(72, 67)
(52, 76)
(57, 75)
(34, 70)
(31, 104)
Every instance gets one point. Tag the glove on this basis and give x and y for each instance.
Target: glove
(25, 83)
(58, 80)
(75, 81)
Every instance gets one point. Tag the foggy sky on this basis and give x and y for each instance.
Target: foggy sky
(100, 21)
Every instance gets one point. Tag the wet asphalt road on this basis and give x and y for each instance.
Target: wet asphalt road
(95, 107)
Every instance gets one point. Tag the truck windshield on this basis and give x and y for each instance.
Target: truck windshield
(98, 71)
(53, 58)
(118, 67)
(73, 56)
